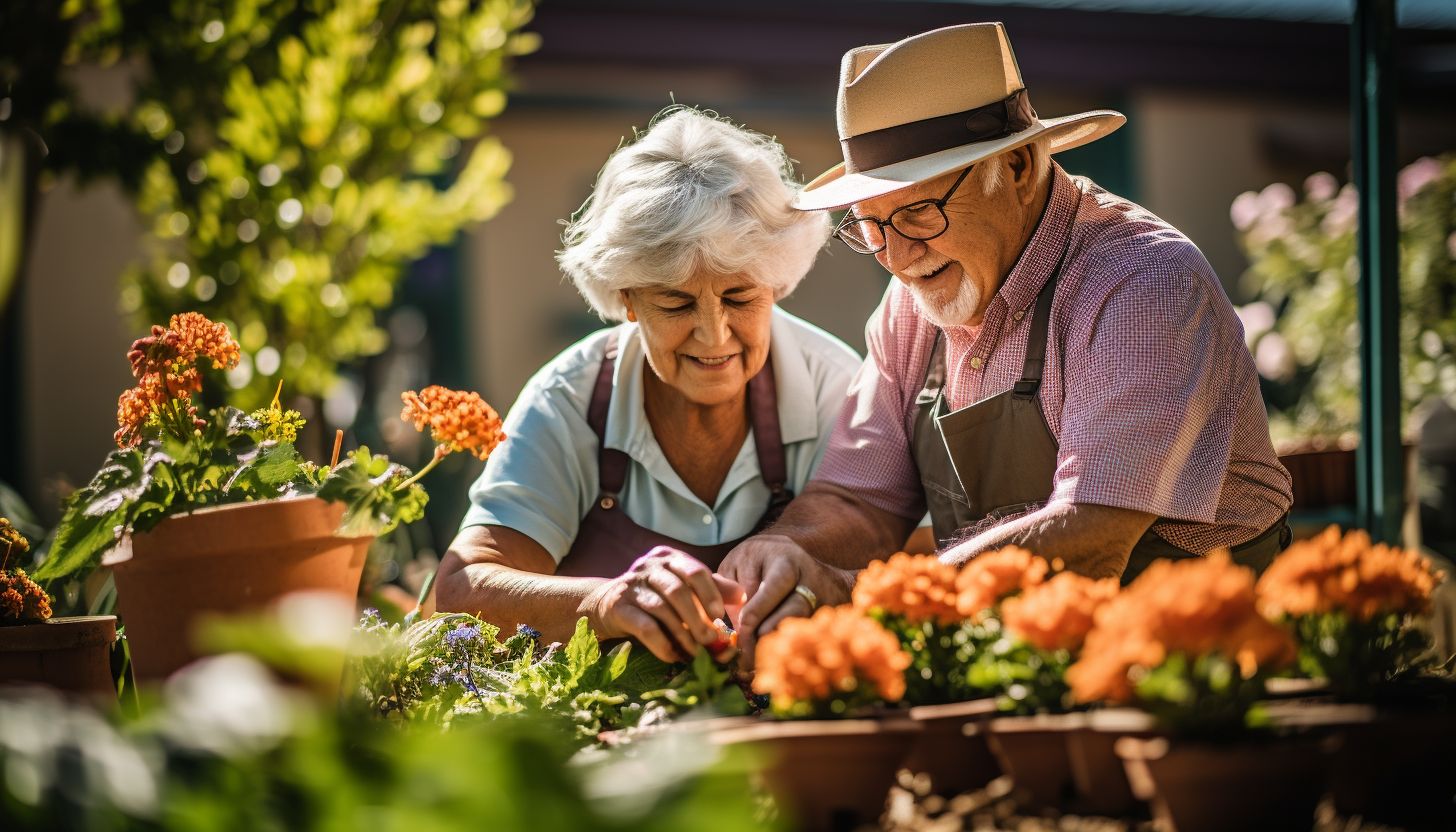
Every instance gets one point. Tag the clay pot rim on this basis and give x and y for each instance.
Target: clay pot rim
(64, 633)
(982, 708)
(772, 729)
(1036, 723)
(124, 553)
(1121, 721)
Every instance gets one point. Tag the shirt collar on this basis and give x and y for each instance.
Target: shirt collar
(628, 429)
(1030, 273)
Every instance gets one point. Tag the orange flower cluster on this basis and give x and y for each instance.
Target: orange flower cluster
(1196, 607)
(22, 601)
(198, 338)
(164, 364)
(458, 421)
(833, 652)
(1345, 572)
(1058, 614)
(919, 587)
(989, 578)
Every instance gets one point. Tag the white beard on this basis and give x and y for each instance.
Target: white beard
(943, 311)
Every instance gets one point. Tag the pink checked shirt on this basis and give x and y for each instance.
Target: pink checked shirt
(1149, 389)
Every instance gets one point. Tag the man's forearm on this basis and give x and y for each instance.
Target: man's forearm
(1091, 540)
(839, 529)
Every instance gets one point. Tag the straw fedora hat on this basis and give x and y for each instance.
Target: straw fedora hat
(933, 103)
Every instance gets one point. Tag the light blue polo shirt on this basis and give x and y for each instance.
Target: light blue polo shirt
(543, 479)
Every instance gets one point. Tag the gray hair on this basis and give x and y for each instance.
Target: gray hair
(694, 192)
(991, 178)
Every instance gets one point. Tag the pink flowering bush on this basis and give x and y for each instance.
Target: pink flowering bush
(1303, 267)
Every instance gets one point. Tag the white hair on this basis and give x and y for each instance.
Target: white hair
(693, 193)
(992, 178)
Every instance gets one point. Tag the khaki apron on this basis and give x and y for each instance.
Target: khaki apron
(608, 541)
(996, 458)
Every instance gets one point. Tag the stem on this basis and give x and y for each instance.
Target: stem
(440, 453)
(6, 562)
(338, 444)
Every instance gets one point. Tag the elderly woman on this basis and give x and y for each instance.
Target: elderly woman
(641, 455)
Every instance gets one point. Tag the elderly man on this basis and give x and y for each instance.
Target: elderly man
(1053, 366)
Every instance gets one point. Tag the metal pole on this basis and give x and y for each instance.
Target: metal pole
(1379, 461)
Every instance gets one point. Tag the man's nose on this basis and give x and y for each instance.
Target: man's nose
(899, 251)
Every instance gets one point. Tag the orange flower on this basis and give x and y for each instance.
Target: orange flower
(989, 578)
(458, 421)
(918, 587)
(198, 337)
(1058, 614)
(133, 409)
(835, 652)
(1346, 573)
(1196, 607)
(22, 601)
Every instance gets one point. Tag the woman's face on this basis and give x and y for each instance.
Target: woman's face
(706, 337)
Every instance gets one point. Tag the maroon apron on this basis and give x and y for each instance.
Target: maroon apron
(608, 541)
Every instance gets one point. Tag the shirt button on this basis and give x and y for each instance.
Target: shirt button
(707, 519)
(1019, 315)
(976, 363)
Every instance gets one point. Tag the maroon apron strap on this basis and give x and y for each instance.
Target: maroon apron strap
(611, 463)
(763, 412)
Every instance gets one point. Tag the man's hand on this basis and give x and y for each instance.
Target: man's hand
(1091, 540)
(768, 567)
(667, 601)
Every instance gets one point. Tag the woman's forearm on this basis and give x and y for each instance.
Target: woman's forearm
(507, 597)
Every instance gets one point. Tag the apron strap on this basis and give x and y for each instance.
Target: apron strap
(934, 372)
(611, 463)
(1036, 340)
(763, 413)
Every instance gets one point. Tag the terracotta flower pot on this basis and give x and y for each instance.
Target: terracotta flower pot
(1270, 785)
(1398, 769)
(1098, 776)
(1033, 751)
(829, 775)
(226, 560)
(956, 760)
(69, 654)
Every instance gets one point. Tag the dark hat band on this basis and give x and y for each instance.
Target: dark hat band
(879, 148)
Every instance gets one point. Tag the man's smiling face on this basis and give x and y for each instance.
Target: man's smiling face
(954, 276)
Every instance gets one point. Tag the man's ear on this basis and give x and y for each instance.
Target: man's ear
(1023, 174)
(627, 302)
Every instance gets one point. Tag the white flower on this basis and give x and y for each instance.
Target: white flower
(1257, 317)
(1245, 210)
(1321, 186)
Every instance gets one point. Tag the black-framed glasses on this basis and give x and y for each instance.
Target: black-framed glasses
(921, 220)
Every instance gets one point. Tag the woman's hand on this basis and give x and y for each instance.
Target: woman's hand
(667, 600)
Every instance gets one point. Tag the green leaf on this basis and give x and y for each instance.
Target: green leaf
(582, 651)
(264, 474)
(369, 487)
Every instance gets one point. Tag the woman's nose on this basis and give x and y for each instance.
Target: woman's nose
(712, 323)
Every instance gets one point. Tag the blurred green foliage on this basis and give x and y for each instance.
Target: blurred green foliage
(287, 157)
(225, 747)
(1303, 327)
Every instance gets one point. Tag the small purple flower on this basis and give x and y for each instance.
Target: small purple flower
(529, 632)
(462, 634)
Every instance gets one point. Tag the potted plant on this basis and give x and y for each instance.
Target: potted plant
(917, 598)
(1186, 643)
(830, 762)
(1356, 610)
(1042, 630)
(1301, 322)
(199, 514)
(70, 653)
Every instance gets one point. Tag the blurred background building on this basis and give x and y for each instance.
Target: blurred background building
(1222, 97)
